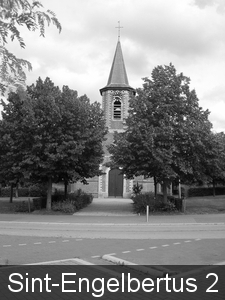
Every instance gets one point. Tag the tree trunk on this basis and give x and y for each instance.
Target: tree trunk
(17, 190)
(164, 191)
(11, 193)
(65, 188)
(49, 194)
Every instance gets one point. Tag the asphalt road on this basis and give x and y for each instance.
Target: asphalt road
(24, 241)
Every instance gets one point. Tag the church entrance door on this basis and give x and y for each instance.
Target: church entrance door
(115, 183)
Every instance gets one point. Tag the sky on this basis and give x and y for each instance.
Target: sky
(190, 34)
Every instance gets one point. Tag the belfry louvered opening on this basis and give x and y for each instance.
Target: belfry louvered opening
(117, 114)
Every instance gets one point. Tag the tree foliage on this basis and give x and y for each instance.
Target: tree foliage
(52, 135)
(167, 134)
(215, 166)
(15, 13)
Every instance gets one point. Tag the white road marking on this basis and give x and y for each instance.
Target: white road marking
(111, 254)
(187, 241)
(95, 256)
(140, 249)
(197, 239)
(126, 251)
(177, 243)
(38, 243)
(7, 245)
(52, 242)
(22, 244)
(165, 245)
(65, 241)
(153, 247)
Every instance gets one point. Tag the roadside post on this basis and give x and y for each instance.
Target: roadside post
(147, 213)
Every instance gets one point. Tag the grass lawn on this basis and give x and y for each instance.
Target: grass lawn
(205, 205)
(6, 207)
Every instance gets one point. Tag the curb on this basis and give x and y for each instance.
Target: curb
(114, 224)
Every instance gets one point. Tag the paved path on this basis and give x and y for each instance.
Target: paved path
(108, 207)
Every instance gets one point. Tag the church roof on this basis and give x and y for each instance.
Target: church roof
(118, 76)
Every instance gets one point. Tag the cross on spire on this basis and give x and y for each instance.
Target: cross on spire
(119, 27)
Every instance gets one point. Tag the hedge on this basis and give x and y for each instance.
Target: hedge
(141, 201)
(205, 191)
(35, 191)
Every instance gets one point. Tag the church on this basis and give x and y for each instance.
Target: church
(115, 104)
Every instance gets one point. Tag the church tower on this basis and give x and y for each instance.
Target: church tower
(117, 92)
(115, 104)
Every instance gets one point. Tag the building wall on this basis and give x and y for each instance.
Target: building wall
(148, 184)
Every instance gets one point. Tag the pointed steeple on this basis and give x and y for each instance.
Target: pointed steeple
(118, 76)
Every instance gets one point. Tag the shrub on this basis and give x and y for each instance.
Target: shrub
(66, 206)
(177, 202)
(142, 200)
(80, 199)
(58, 197)
(155, 204)
(74, 202)
(137, 189)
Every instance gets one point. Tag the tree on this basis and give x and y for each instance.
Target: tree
(15, 13)
(167, 132)
(215, 167)
(59, 138)
(17, 113)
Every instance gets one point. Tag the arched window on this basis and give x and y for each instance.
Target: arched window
(117, 109)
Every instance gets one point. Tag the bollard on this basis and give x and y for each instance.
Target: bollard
(147, 213)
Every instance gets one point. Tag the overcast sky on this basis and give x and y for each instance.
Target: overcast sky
(190, 34)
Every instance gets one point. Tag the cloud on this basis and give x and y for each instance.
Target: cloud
(214, 99)
(218, 4)
(188, 33)
(217, 116)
